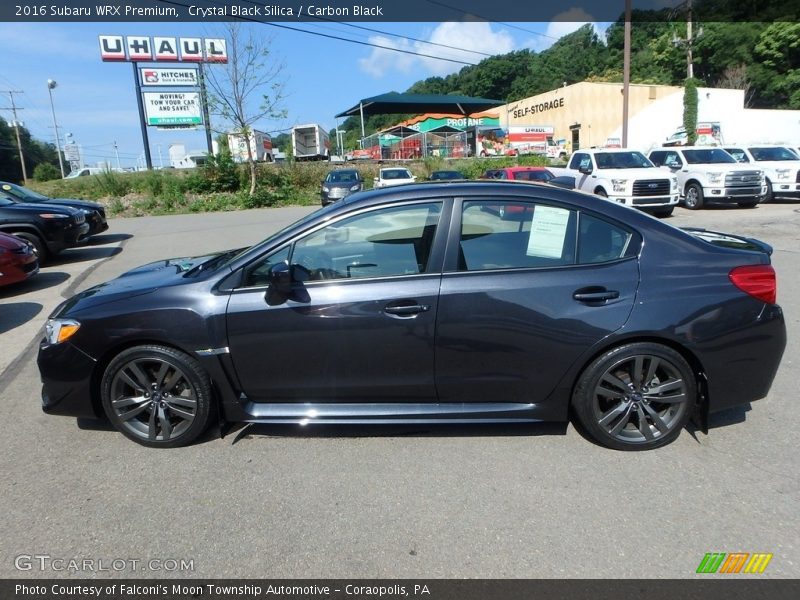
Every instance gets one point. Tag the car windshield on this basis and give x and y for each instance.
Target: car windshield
(542, 175)
(342, 177)
(21, 193)
(622, 160)
(772, 154)
(395, 174)
(707, 156)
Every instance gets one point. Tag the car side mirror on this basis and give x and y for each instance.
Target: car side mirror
(280, 278)
(585, 169)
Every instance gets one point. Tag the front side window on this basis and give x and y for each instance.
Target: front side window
(580, 161)
(381, 243)
(738, 154)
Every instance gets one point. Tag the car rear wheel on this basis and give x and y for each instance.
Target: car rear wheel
(157, 396)
(39, 247)
(635, 397)
(694, 197)
(663, 213)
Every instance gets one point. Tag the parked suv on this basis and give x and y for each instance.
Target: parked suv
(623, 176)
(94, 212)
(48, 227)
(339, 184)
(781, 167)
(710, 175)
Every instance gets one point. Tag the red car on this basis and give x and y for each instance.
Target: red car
(17, 260)
(533, 174)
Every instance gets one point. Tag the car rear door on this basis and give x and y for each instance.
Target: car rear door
(522, 300)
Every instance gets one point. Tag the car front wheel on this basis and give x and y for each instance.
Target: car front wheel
(157, 396)
(694, 197)
(635, 397)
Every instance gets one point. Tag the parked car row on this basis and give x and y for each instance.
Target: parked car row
(45, 226)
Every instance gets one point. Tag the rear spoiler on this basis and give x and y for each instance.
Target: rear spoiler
(729, 240)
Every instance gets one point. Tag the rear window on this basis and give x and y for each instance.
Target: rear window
(725, 240)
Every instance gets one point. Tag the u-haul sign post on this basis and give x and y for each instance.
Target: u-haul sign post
(176, 109)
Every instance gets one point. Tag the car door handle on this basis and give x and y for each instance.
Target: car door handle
(406, 310)
(595, 295)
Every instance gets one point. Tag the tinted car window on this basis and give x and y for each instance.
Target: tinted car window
(622, 160)
(600, 241)
(533, 175)
(538, 236)
(707, 156)
(738, 154)
(772, 154)
(580, 160)
(381, 243)
(257, 274)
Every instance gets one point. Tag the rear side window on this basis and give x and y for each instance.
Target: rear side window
(601, 241)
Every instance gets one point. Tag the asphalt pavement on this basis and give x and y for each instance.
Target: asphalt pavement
(428, 502)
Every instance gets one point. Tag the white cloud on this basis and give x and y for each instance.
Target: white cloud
(465, 35)
(563, 24)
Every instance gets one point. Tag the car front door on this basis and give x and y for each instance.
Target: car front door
(360, 328)
(522, 300)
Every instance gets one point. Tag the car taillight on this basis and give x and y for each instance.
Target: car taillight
(757, 280)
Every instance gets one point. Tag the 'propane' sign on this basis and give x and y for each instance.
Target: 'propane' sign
(172, 108)
(168, 49)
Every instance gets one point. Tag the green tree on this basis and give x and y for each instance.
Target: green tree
(690, 110)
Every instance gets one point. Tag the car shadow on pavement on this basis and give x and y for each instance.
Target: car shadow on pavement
(108, 238)
(240, 431)
(17, 313)
(82, 253)
(42, 280)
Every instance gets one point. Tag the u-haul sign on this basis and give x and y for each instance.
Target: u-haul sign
(172, 108)
(168, 49)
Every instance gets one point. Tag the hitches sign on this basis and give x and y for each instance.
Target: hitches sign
(172, 108)
(152, 77)
(140, 48)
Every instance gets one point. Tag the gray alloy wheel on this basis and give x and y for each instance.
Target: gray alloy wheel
(694, 197)
(635, 397)
(39, 247)
(157, 396)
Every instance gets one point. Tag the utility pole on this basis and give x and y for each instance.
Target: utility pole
(16, 130)
(116, 151)
(51, 85)
(626, 73)
(689, 41)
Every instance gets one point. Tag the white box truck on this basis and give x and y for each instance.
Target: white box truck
(310, 142)
(260, 146)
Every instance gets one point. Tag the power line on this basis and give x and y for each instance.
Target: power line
(464, 12)
(335, 37)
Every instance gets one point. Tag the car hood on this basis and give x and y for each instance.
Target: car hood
(40, 207)
(74, 202)
(9, 242)
(136, 282)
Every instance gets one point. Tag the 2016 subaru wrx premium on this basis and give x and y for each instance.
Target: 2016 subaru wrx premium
(421, 304)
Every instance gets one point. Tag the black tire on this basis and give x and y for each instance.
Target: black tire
(693, 198)
(615, 403)
(169, 391)
(751, 204)
(39, 247)
(769, 195)
(601, 192)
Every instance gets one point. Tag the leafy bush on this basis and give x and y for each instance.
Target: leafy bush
(221, 173)
(112, 183)
(46, 172)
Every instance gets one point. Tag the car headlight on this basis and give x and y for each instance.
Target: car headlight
(60, 330)
(355, 188)
(326, 189)
(714, 177)
(53, 216)
(86, 211)
(783, 173)
(619, 184)
(674, 184)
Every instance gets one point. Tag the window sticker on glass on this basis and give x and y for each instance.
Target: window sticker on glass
(548, 230)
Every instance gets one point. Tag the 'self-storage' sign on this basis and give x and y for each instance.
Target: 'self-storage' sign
(168, 49)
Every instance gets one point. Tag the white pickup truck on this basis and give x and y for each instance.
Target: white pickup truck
(708, 174)
(781, 167)
(624, 176)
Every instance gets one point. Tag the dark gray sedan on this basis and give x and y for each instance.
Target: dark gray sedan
(419, 304)
(339, 184)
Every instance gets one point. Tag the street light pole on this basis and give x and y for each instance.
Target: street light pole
(51, 84)
(116, 151)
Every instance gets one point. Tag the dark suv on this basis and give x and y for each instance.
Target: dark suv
(95, 213)
(48, 227)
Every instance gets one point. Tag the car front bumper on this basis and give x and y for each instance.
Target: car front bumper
(66, 374)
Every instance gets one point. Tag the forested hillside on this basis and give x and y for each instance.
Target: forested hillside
(763, 58)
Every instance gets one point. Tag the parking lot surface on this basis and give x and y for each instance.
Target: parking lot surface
(422, 501)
